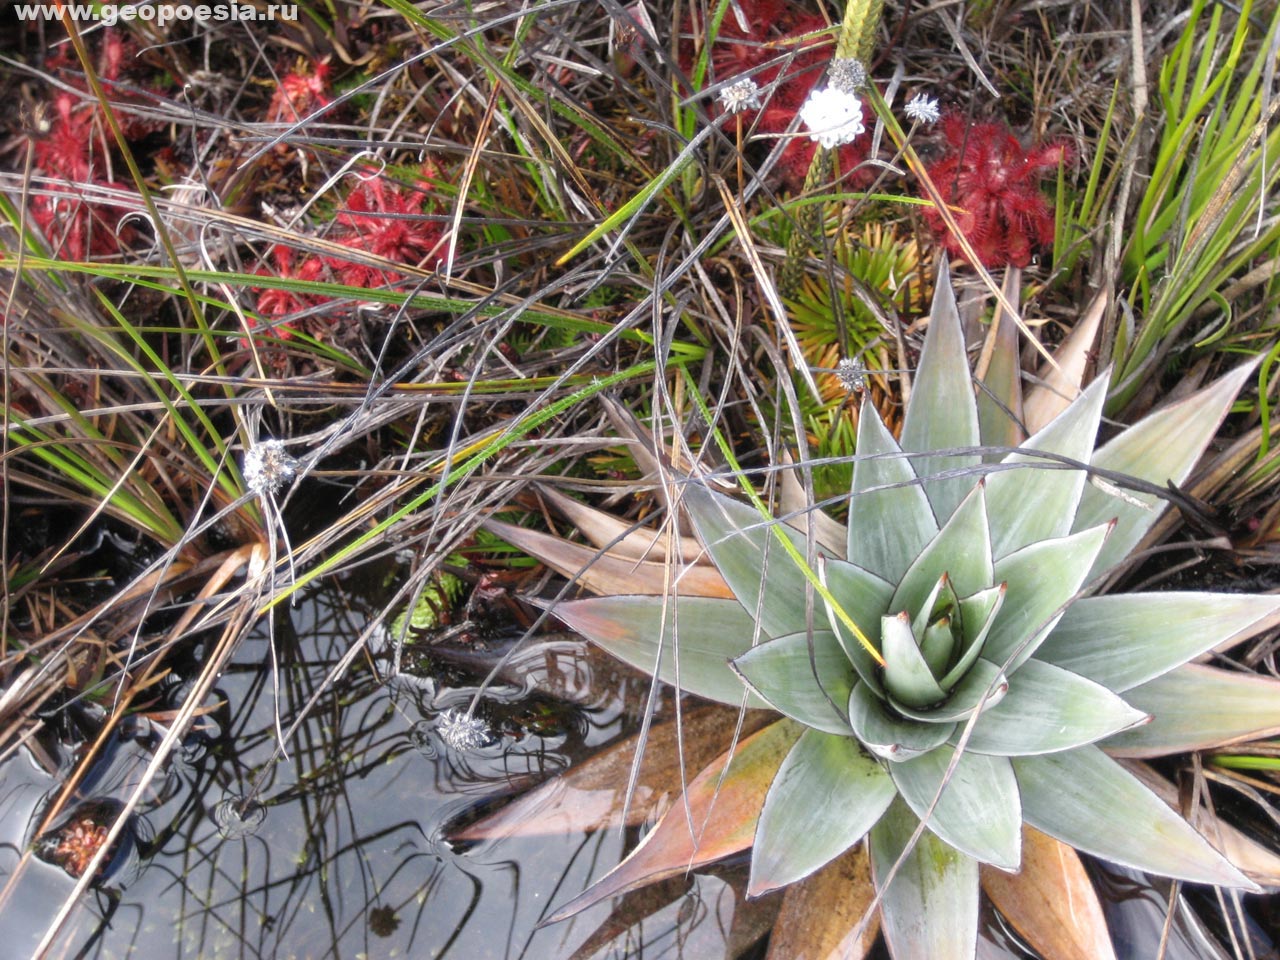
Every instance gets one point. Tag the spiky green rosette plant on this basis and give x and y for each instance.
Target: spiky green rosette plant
(949, 681)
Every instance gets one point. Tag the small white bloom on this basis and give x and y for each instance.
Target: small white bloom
(847, 75)
(462, 732)
(740, 95)
(851, 374)
(268, 467)
(833, 117)
(922, 109)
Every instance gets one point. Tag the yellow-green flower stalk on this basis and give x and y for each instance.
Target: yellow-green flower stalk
(853, 48)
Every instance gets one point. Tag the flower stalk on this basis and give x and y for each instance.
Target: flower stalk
(856, 42)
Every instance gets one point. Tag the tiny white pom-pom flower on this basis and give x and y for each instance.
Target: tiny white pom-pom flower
(462, 732)
(847, 75)
(851, 374)
(740, 95)
(268, 467)
(922, 109)
(834, 117)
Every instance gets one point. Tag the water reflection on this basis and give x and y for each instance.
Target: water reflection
(338, 848)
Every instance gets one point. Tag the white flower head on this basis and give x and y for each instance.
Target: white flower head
(847, 75)
(268, 467)
(461, 731)
(851, 374)
(740, 95)
(834, 117)
(922, 109)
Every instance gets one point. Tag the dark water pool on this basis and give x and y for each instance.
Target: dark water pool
(338, 849)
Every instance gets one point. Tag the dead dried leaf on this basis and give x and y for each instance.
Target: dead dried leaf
(820, 913)
(721, 810)
(1052, 902)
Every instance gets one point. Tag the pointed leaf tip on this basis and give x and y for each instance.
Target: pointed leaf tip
(803, 677)
(942, 413)
(1052, 902)
(1084, 798)
(1161, 448)
(824, 916)
(689, 640)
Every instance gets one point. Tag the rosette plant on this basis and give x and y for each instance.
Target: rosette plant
(953, 690)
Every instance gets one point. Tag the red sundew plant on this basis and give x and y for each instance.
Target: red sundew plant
(386, 220)
(278, 304)
(993, 185)
(776, 30)
(119, 70)
(75, 146)
(299, 94)
(379, 217)
(75, 151)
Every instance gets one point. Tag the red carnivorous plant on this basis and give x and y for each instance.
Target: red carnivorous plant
(992, 183)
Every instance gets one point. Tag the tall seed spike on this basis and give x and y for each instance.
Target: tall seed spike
(859, 28)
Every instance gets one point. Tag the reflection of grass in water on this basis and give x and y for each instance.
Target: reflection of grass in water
(354, 816)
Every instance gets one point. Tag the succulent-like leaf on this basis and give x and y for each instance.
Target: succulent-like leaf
(890, 736)
(1041, 578)
(711, 633)
(1088, 800)
(801, 514)
(942, 600)
(825, 798)
(942, 413)
(1051, 901)
(1127, 639)
(982, 685)
(1039, 502)
(1196, 707)
(930, 908)
(748, 555)
(723, 811)
(937, 645)
(1000, 416)
(890, 519)
(813, 692)
(962, 550)
(607, 574)
(864, 597)
(960, 579)
(1258, 862)
(907, 677)
(979, 812)
(1161, 448)
(821, 913)
(979, 613)
(1048, 709)
(1058, 384)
